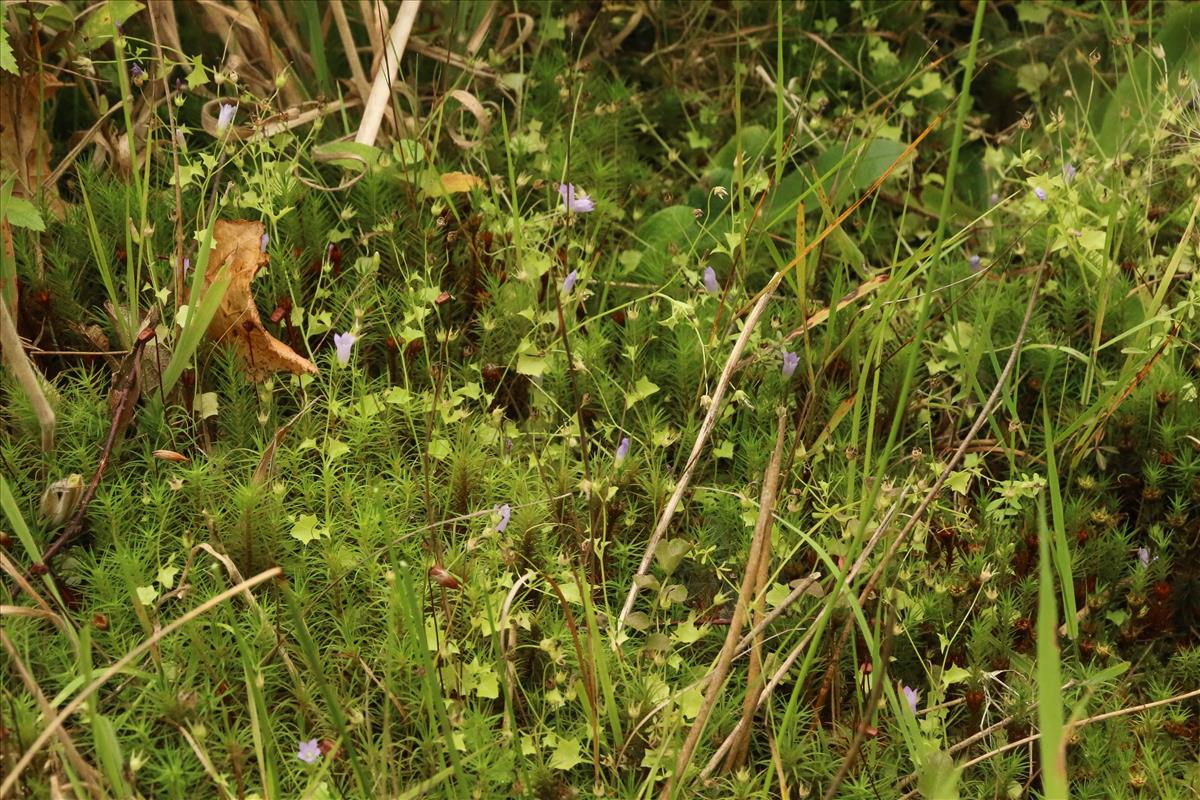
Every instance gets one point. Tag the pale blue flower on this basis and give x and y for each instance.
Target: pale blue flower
(1069, 172)
(225, 116)
(622, 451)
(790, 362)
(187, 265)
(505, 512)
(344, 342)
(912, 696)
(574, 199)
(568, 284)
(1040, 193)
(1143, 554)
(710, 281)
(262, 245)
(974, 261)
(993, 199)
(310, 751)
(137, 73)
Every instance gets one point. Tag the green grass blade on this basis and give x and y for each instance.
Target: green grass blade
(199, 316)
(1062, 553)
(1049, 673)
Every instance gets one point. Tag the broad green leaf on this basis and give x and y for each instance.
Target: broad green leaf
(98, 28)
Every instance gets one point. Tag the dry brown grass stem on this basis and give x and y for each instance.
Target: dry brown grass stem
(361, 85)
(759, 551)
(70, 708)
(706, 428)
(738, 752)
(1120, 712)
(980, 420)
(86, 771)
(385, 76)
(26, 374)
(206, 762)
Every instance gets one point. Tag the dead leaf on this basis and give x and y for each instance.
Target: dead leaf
(449, 183)
(24, 146)
(237, 321)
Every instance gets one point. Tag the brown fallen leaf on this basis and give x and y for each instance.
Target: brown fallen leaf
(24, 145)
(237, 321)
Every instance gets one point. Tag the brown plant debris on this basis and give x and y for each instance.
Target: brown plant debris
(237, 321)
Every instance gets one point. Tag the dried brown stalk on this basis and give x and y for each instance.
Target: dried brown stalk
(70, 708)
(706, 428)
(759, 545)
(980, 420)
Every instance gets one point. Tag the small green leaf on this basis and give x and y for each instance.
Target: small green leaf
(686, 632)
(21, 213)
(959, 481)
(481, 679)
(147, 594)
(566, 754)
(166, 576)
(8, 62)
(670, 552)
(954, 675)
(306, 530)
(1091, 239)
(198, 76)
(439, 449)
(641, 390)
(1036, 13)
(690, 700)
(335, 448)
(531, 365)
(1030, 77)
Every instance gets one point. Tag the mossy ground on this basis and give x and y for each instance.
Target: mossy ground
(722, 136)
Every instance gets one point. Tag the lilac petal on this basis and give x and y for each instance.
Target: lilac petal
(568, 284)
(266, 239)
(575, 200)
(710, 281)
(790, 362)
(1040, 193)
(505, 512)
(911, 695)
(974, 261)
(343, 343)
(1143, 554)
(310, 751)
(225, 116)
(622, 451)
(1069, 172)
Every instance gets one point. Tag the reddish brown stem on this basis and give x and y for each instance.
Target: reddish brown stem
(120, 414)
